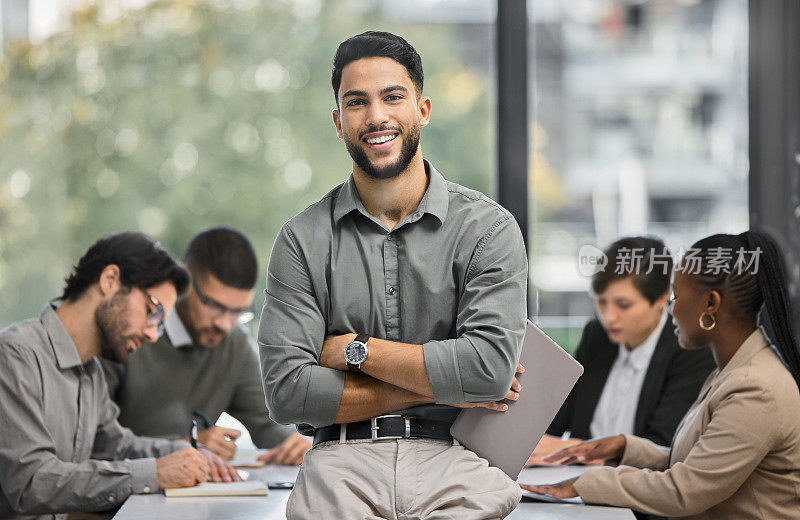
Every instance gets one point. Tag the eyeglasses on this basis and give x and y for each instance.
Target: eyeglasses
(155, 316)
(242, 315)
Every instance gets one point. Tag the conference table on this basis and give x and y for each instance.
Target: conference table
(273, 506)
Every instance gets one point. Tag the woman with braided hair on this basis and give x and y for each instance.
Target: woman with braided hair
(736, 454)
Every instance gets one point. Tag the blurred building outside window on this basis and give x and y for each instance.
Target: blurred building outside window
(640, 126)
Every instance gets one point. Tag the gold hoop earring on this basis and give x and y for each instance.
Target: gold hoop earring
(713, 321)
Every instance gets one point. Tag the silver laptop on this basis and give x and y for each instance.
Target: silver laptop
(507, 439)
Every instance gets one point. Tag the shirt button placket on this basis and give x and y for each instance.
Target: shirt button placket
(391, 279)
(80, 447)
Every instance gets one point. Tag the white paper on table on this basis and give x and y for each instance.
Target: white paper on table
(220, 489)
(247, 458)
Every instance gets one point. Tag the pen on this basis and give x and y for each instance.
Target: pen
(206, 423)
(193, 434)
(200, 415)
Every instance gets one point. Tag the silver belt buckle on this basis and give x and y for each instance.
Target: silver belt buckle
(373, 423)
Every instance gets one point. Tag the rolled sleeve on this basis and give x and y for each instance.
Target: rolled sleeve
(441, 362)
(291, 333)
(479, 365)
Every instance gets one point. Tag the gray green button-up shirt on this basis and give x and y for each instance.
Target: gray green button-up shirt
(162, 384)
(61, 447)
(452, 276)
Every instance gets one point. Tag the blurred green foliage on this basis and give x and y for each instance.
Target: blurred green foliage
(188, 114)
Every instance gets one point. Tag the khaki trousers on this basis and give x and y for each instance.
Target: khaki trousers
(399, 480)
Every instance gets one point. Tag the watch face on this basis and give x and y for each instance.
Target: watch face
(355, 353)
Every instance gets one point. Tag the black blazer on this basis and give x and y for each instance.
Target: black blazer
(670, 386)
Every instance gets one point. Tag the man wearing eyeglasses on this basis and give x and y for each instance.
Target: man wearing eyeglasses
(62, 449)
(206, 362)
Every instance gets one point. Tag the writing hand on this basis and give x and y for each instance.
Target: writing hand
(221, 441)
(184, 468)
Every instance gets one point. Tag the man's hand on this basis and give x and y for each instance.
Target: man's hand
(499, 406)
(548, 445)
(219, 471)
(332, 355)
(183, 468)
(565, 489)
(221, 441)
(290, 452)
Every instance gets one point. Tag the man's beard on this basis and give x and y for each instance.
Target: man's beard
(409, 148)
(197, 334)
(110, 317)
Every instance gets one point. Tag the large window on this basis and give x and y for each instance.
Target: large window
(172, 116)
(640, 127)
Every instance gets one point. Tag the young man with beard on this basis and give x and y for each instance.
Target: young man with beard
(391, 303)
(62, 449)
(204, 362)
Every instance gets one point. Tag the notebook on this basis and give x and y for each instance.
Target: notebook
(507, 439)
(220, 489)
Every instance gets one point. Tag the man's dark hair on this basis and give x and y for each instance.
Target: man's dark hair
(646, 260)
(225, 253)
(142, 262)
(377, 44)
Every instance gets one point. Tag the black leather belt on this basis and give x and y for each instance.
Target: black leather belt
(386, 427)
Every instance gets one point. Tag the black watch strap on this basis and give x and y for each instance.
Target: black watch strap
(361, 338)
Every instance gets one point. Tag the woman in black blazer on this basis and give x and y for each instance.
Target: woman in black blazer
(631, 295)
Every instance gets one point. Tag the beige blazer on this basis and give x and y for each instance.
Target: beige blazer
(735, 455)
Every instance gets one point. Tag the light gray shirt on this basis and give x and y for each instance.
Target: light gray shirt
(451, 276)
(615, 413)
(162, 384)
(61, 447)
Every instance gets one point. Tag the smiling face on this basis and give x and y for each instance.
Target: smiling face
(628, 317)
(380, 116)
(122, 320)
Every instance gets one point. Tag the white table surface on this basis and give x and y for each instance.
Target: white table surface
(273, 506)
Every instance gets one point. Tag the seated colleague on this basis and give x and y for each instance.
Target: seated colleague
(205, 362)
(637, 379)
(62, 448)
(736, 453)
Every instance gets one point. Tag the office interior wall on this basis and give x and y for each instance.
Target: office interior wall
(774, 79)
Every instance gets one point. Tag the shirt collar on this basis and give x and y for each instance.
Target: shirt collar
(176, 331)
(641, 355)
(64, 348)
(435, 200)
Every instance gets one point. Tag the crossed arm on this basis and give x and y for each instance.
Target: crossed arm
(304, 371)
(394, 377)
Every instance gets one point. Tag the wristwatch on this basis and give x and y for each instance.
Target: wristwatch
(355, 352)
